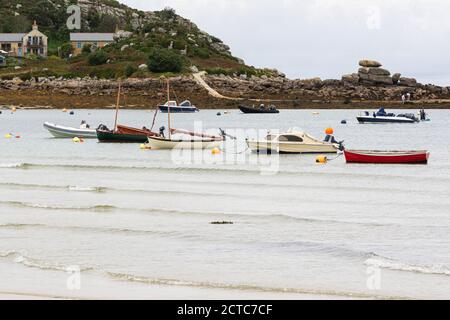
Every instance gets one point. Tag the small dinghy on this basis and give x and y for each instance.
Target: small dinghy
(381, 116)
(260, 109)
(393, 157)
(123, 134)
(68, 132)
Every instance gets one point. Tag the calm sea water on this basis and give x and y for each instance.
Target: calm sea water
(128, 216)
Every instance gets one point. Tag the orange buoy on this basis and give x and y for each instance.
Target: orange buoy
(329, 131)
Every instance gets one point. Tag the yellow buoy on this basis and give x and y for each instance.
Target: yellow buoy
(64, 110)
(13, 109)
(215, 151)
(8, 136)
(321, 159)
(76, 139)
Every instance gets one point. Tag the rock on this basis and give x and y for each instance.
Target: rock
(433, 89)
(370, 63)
(374, 71)
(122, 34)
(124, 47)
(194, 69)
(396, 77)
(243, 76)
(17, 67)
(17, 80)
(375, 79)
(407, 82)
(143, 67)
(240, 61)
(350, 78)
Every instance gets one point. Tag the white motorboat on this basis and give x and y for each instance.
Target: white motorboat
(69, 132)
(381, 116)
(293, 142)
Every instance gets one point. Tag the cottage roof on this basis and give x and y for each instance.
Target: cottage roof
(92, 37)
(12, 37)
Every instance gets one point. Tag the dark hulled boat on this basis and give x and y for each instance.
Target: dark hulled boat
(124, 134)
(260, 109)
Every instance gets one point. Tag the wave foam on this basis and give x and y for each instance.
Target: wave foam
(386, 263)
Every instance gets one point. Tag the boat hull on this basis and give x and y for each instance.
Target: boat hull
(107, 136)
(169, 144)
(165, 109)
(124, 134)
(68, 132)
(290, 148)
(387, 157)
(363, 119)
(250, 110)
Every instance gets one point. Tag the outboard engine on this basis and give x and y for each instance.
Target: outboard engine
(161, 131)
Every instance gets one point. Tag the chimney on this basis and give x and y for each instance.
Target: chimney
(35, 26)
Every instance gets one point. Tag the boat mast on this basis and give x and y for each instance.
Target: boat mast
(117, 105)
(168, 106)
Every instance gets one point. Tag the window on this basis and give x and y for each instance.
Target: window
(290, 138)
(79, 45)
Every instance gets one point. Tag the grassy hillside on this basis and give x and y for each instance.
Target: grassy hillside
(148, 32)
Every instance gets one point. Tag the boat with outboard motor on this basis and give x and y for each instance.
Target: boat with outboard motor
(185, 107)
(261, 109)
(69, 132)
(294, 141)
(381, 116)
(121, 133)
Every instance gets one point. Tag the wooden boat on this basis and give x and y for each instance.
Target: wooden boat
(382, 117)
(121, 133)
(183, 143)
(376, 156)
(184, 107)
(124, 134)
(260, 109)
(183, 139)
(68, 132)
(292, 142)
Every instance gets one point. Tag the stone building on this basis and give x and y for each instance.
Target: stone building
(96, 40)
(22, 44)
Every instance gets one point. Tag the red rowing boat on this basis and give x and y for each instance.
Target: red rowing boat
(375, 156)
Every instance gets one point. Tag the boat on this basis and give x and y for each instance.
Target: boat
(382, 117)
(69, 132)
(185, 141)
(184, 107)
(182, 139)
(377, 156)
(293, 141)
(260, 109)
(121, 133)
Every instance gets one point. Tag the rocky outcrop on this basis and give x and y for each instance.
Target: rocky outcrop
(369, 64)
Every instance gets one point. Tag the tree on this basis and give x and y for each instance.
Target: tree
(129, 70)
(65, 50)
(87, 48)
(164, 60)
(97, 58)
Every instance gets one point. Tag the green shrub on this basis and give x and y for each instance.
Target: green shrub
(201, 53)
(164, 60)
(87, 48)
(97, 58)
(65, 50)
(129, 70)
